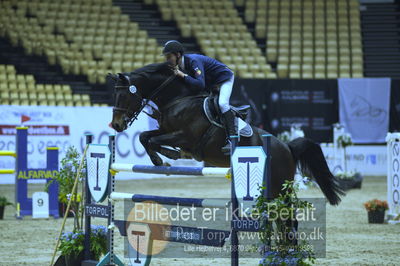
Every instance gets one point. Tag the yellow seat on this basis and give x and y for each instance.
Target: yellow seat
(242, 69)
(48, 88)
(294, 70)
(24, 102)
(13, 96)
(10, 69)
(85, 97)
(86, 103)
(50, 96)
(307, 71)
(260, 75)
(14, 102)
(295, 59)
(3, 87)
(23, 96)
(22, 87)
(344, 71)
(5, 102)
(60, 103)
(319, 71)
(4, 95)
(78, 103)
(32, 95)
(41, 97)
(307, 75)
(76, 97)
(66, 89)
(282, 71)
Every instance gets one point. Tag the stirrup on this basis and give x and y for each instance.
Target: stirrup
(226, 149)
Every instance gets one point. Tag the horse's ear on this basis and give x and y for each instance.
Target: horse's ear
(123, 77)
(112, 76)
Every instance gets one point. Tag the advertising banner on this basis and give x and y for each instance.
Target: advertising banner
(281, 103)
(66, 126)
(364, 108)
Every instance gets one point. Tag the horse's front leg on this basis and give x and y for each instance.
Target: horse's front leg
(173, 139)
(145, 139)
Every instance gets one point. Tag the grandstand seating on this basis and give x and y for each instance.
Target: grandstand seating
(309, 38)
(84, 37)
(381, 39)
(220, 32)
(16, 89)
(304, 39)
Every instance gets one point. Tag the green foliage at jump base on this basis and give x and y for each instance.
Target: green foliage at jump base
(278, 248)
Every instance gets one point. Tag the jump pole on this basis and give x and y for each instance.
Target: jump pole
(170, 170)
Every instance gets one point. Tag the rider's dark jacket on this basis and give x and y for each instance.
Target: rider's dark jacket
(204, 72)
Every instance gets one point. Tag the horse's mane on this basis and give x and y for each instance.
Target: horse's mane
(149, 69)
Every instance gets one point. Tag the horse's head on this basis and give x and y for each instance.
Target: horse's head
(128, 102)
(131, 90)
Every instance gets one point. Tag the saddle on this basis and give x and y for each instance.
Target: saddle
(213, 114)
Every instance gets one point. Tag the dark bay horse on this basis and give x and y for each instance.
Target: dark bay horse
(184, 127)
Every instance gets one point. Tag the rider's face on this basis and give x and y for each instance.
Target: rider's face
(172, 59)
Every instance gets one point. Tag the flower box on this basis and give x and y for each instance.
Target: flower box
(376, 210)
(376, 217)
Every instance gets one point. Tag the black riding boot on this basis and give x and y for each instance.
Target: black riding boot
(230, 129)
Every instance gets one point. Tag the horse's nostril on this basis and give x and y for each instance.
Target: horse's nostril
(115, 126)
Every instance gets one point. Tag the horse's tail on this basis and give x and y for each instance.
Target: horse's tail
(311, 161)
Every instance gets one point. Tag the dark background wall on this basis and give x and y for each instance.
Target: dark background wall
(276, 104)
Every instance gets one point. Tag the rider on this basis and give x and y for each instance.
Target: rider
(200, 73)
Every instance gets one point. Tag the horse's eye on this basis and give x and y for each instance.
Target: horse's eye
(132, 89)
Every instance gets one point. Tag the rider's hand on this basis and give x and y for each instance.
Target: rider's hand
(179, 73)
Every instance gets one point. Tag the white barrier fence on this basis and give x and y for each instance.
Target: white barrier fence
(369, 160)
(393, 176)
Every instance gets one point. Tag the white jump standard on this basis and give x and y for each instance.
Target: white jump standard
(393, 177)
(100, 183)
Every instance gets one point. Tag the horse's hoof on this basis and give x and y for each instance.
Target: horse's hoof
(166, 164)
(156, 161)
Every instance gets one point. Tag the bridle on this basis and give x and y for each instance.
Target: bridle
(130, 116)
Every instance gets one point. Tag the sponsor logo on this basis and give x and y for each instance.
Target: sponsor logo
(38, 130)
(197, 71)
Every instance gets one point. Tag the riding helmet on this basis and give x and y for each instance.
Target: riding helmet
(173, 47)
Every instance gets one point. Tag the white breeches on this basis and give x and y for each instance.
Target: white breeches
(225, 94)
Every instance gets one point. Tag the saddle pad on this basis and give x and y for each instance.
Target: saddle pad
(244, 128)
